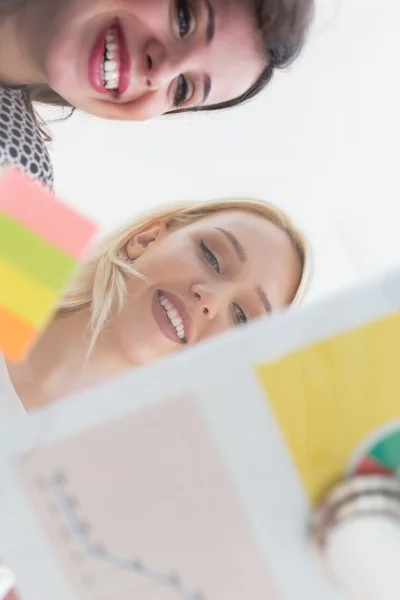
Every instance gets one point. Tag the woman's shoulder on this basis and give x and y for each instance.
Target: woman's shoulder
(21, 143)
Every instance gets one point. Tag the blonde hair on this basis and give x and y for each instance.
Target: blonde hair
(100, 285)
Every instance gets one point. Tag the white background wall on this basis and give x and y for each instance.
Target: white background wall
(323, 142)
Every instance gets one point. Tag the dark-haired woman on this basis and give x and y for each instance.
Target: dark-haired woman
(137, 59)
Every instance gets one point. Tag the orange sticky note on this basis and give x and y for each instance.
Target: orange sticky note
(41, 242)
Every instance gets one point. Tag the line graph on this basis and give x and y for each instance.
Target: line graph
(57, 482)
(145, 509)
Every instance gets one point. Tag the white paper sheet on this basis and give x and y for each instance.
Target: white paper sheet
(174, 481)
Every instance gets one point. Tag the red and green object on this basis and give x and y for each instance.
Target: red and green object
(382, 458)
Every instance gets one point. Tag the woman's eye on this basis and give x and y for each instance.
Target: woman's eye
(182, 91)
(240, 317)
(184, 18)
(209, 256)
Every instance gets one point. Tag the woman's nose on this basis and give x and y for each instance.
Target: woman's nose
(161, 65)
(207, 299)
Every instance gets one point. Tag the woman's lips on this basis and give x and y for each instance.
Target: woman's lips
(122, 58)
(96, 63)
(164, 322)
(125, 61)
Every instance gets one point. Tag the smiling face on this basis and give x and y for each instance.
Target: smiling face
(220, 272)
(137, 59)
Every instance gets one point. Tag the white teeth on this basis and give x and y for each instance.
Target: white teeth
(109, 76)
(173, 316)
(110, 71)
(110, 65)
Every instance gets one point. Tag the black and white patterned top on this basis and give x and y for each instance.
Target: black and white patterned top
(21, 143)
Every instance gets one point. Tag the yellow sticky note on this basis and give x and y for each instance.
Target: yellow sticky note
(331, 397)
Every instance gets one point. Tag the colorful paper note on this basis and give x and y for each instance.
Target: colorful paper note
(41, 243)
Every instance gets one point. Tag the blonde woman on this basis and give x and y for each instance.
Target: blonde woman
(160, 285)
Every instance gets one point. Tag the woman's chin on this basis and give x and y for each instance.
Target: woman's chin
(147, 353)
(97, 107)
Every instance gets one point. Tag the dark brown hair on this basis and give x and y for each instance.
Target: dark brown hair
(283, 25)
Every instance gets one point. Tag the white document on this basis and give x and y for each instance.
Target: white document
(176, 481)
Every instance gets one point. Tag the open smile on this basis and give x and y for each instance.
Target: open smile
(110, 62)
(172, 316)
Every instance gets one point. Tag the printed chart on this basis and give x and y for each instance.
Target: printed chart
(80, 528)
(144, 509)
(380, 455)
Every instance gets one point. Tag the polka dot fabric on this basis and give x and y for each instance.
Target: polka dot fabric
(21, 143)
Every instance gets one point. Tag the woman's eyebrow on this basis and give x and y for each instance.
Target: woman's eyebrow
(210, 33)
(264, 299)
(239, 249)
(206, 88)
(210, 30)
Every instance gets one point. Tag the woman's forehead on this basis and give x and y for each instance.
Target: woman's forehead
(240, 219)
(254, 231)
(238, 56)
